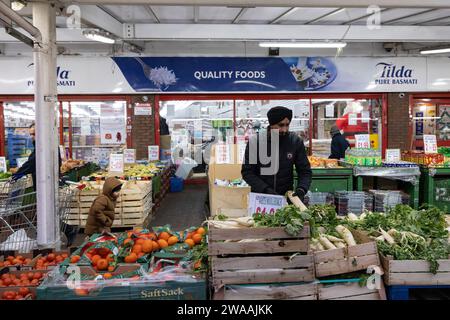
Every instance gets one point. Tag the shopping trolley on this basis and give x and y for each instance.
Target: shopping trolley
(18, 219)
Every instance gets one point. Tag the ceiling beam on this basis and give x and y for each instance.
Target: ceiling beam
(282, 3)
(432, 20)
(93, 15)
(356, 33)
(112, 14)
(239, 15)
(196, 14)
(408, 16)
(152, 13)
(325, 15)
(364, 16)
(283, 15)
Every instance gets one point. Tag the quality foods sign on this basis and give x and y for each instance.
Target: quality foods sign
(94, 75)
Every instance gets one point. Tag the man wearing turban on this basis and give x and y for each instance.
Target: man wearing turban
(291, 152)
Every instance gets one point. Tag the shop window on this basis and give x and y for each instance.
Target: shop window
(194, 125)
(98, 128)
(251, 117)
(431, 117)
(18, 117)
(351, 117)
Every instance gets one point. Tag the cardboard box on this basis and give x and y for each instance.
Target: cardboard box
(222, 199)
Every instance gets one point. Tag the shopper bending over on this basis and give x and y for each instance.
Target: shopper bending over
(101, 214)
(338, 144)
(291, 153)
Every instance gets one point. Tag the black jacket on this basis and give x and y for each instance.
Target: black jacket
(292, 152)
(29, 167)
(338, 146)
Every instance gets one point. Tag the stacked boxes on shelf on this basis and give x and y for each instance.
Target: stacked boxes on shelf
(18, 146)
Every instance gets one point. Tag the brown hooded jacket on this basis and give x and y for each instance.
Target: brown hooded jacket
(101, 214)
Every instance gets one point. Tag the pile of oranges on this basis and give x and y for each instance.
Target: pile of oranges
(18, 294)
(195, 237)
(50, 259)
(15, 261)
(25, 279)
(101, 259)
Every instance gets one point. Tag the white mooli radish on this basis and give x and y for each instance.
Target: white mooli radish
(333, 239)
(346, 235)
(326, 243)
(387, 236)
(340, 245)
(352, 217)
(317, 244)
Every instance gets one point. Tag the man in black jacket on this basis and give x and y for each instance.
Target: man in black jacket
(291, 152)
(338, 144)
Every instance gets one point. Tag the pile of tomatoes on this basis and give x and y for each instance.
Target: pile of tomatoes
(24, 279)
(20, 294)
(15, 261)
(51, 259)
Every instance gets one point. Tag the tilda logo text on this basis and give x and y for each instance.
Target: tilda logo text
(389, 73)
(62, 77)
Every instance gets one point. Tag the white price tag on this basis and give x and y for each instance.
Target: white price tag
(3, 164)
(21, 161)
(153, 153)
(241, 152)
(265, 203)
(129, 156)
(393, 155)
(223, 153)
(62, 153)
(362, 141)
(365, 116)
(329, 111)
(430, 143)
(115, 162)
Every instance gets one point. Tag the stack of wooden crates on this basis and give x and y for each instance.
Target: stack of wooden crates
(133, 206)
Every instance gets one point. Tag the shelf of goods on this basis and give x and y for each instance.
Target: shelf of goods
(435, 187)
(278, 267)
(77, 173)
(133, 206)
(19, 146)
(407, 178)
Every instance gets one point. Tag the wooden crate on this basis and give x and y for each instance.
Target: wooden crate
(271, 260)
(347, 260)
(414, 272)
(350, 291)
(291, 291)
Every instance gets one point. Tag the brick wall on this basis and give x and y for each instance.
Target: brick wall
(143, 128)
(398, 121)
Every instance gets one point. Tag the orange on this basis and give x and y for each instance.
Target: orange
(131, 258)
(152, 236)
(162, 243)
(107, 275)
(189, 235)
(111, 268)
(127, 240)
(102, 264)
(74, 259)
(197, 238)
(50, 257)
(141, 254)
(94, 259)
(81, 292)
(147, 246)
(190, 242)
(129, 234)
(139, 241)
(201, 231)
(172, 240)
(137, 249)
(164, 236)
(155, 245)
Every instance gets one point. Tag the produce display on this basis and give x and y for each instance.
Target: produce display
(18, 294)
(419, 157)
(5, 175)
(136, 171)
(21, 279)
(70, 164)
(18, 260)
(363, 157)
(318, 162)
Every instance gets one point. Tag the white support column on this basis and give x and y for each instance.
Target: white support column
(44, 19)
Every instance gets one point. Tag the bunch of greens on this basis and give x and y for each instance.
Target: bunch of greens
(288, 217)
(323, 216)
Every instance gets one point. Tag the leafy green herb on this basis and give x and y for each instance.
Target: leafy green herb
(288, 217)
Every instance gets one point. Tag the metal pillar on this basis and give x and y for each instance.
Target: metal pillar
(44, 18)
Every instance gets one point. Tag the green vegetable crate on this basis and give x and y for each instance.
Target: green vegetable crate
(279, 250)
(435, 187)
(347, 260)
(414, 272)
(330, 180)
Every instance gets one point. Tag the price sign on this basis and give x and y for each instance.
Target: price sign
(115, 162)
(62, 153)
(393, 155)
(265, 203)
(223, 153)
(329, 111)
(21, 161)
(129, 156)
(352, 119)
(362, 141)
(153, 153)
(241, 152)
(3, 164)
(430, 144)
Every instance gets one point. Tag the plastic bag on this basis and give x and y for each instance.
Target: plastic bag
(19, 241)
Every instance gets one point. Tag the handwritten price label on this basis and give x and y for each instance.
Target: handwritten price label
(362, 141)
(430, 144)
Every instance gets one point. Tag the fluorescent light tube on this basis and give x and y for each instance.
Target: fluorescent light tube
(97, 36)
(435, 51)
(302, 44)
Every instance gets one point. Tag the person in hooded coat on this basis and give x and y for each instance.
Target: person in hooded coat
(291, 153)
(102, 211)
(338, 144)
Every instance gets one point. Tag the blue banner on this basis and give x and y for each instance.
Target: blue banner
(203, 74)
